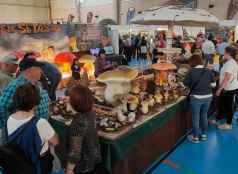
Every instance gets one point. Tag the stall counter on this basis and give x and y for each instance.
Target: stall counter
(134, 150)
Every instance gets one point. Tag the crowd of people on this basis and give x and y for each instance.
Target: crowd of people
(27, 137)
(212, 92)
(141, 45)
(213, 88)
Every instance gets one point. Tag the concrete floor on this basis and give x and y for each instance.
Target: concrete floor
(218, 155)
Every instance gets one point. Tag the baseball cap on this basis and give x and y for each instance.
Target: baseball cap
(10, 59)
(27, 63)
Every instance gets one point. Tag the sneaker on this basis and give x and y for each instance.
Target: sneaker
(203, 137)
(225, 126)
(213, 121)
(193, 139)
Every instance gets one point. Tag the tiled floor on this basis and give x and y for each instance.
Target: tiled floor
(218, 155)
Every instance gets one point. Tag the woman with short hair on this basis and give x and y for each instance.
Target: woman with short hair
(199, 80)
(84, 150)
(36, 134)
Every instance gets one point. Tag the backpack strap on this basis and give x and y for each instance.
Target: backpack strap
(17, 135)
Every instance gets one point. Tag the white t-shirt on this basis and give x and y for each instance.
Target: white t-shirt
(45, 130)
(230, 67)
(143, 49)
(208, 47)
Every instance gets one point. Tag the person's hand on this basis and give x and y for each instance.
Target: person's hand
(211, 67)
(69, 172)
(218, 92)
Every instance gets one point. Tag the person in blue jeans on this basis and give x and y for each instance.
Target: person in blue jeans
(199, 80)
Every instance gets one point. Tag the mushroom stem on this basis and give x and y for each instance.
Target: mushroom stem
(116, 88)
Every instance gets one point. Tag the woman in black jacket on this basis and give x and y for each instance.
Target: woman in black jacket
(199, 80)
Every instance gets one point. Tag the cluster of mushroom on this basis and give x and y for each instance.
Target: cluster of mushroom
(162, 72)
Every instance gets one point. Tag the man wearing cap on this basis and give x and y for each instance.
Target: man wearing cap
(51, 76)
(31, 75)
(8, 67)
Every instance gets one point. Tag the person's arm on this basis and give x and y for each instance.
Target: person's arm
(42, 110)
(5, 102)
(187, 81)
(47, 132)
(54, 141)
(214, 48)
(227, 78)
(70, 168)
(108, 67)
(213, 80)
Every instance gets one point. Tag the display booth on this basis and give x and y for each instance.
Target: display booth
(141, 116)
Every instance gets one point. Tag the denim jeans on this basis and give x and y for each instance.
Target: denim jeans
(199, 115)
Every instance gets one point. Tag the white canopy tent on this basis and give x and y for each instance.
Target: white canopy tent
(175, 15)
(228, 23)
(136, 29)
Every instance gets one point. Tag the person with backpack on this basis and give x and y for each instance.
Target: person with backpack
(29, 137)
(33, 76)
(199, 80)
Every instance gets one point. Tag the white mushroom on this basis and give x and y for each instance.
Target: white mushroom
(120, 116)
(124, 106)
(133, 102)
(145, 107)
(118, 82)
(151, 101)
(158, 98)
(131, 117)
(103, 122)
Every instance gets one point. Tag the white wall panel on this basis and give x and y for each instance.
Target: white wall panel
(14, 11)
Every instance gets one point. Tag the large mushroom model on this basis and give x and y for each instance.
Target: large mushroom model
(118, 83)
(162, 71)
(88, 64)
(64, 60)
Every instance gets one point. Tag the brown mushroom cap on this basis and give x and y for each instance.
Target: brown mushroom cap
(118, 76)
(133, 99)
(87, 59)
(164, 66)
(169, 50)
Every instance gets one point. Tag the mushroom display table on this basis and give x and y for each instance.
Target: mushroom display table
(136, 148)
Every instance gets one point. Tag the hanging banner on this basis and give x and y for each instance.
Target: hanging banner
(28, 28)
(47, 40)
(44, 39)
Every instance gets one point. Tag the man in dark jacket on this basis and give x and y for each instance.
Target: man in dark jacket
(51, 77)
